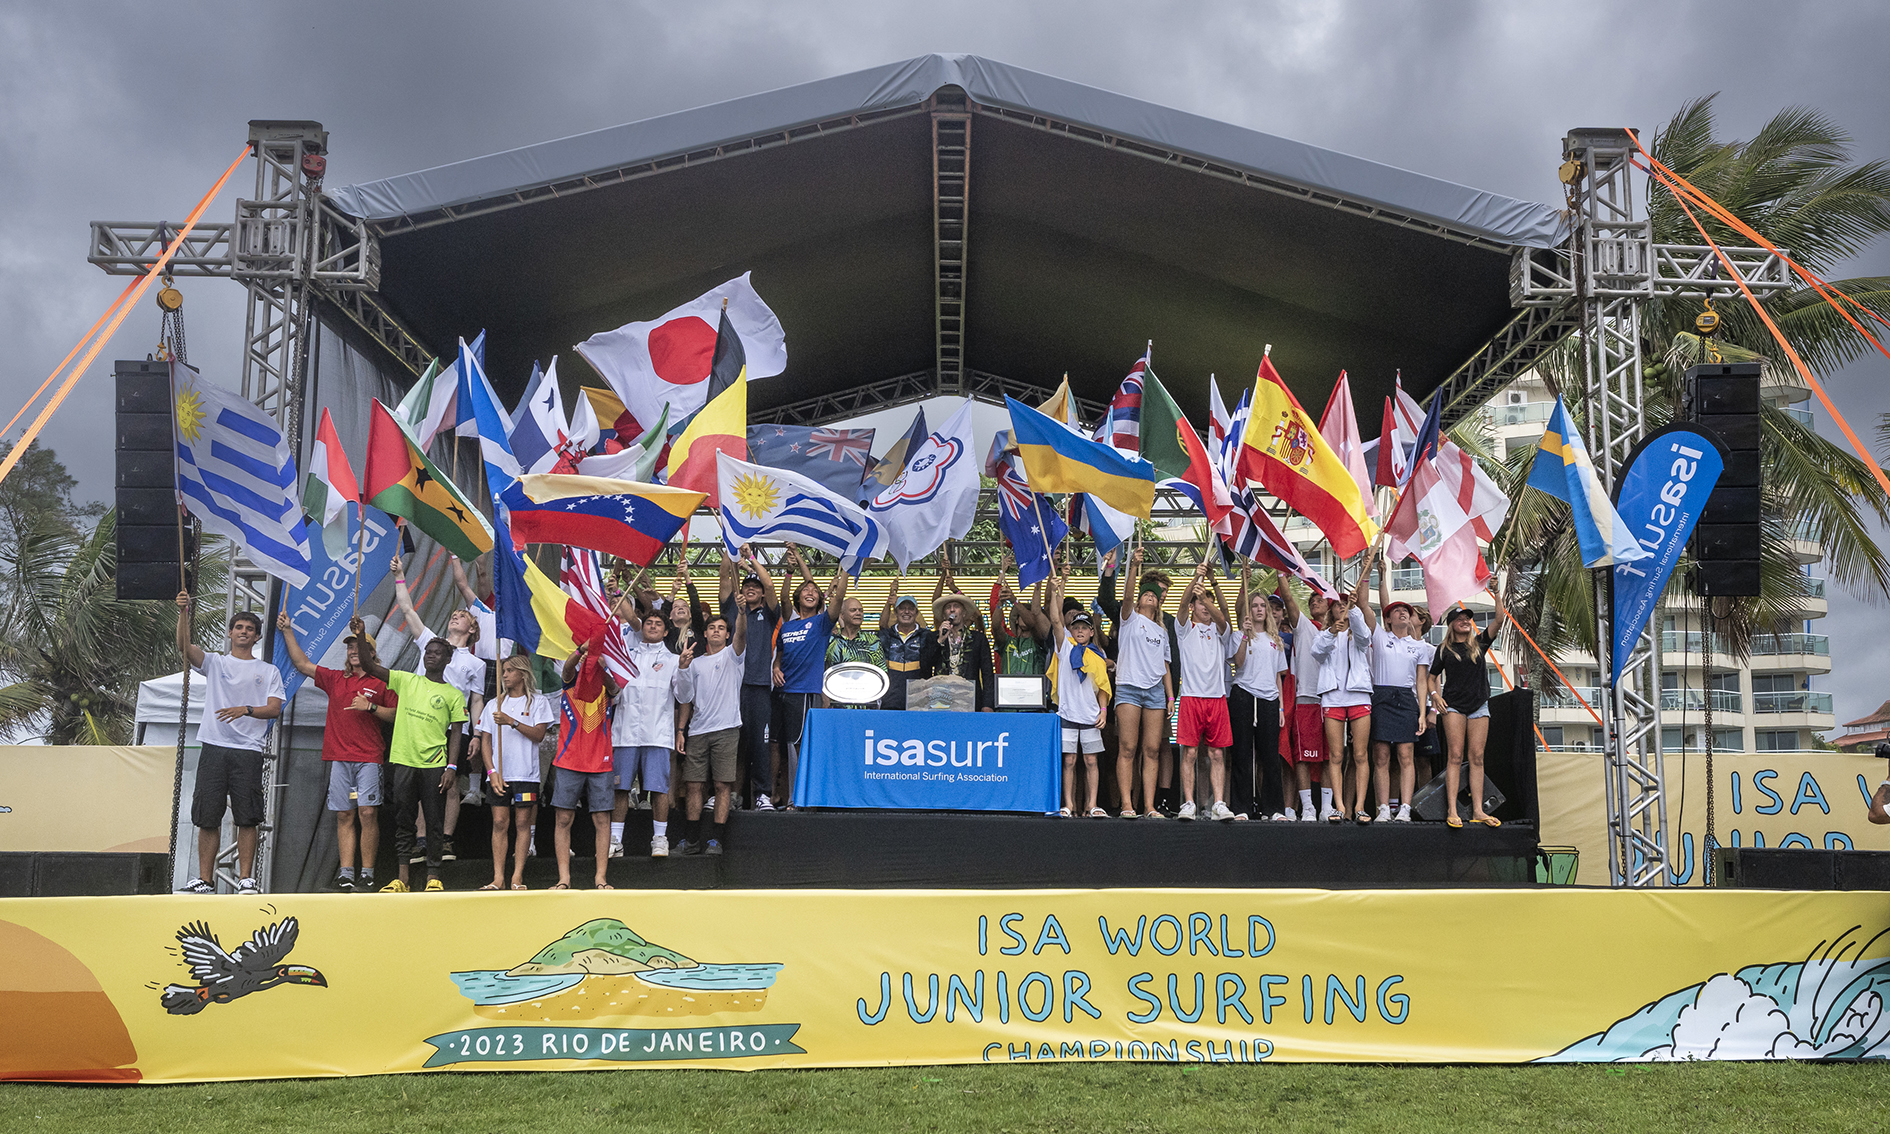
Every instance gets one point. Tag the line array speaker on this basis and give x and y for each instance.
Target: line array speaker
(1725, 398)
(146, 493)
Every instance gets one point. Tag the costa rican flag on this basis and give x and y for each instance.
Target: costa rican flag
(1121, 426)
(841, 445)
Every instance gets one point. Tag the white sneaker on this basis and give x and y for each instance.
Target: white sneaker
(616, 850)
(247, 886)
(1331, 815)
(1404, 814)
(763, 803)
(659, 846)
(1285, 817)
(196, 886)
(1187, 810)
(1307, 815)
(1220, 812)
(1384, 813)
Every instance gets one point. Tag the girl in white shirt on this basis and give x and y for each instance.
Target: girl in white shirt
(1144, 690)
(510, 730)
(1343, 650)
(1254, 705)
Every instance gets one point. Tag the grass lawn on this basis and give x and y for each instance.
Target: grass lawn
(1068, 1099)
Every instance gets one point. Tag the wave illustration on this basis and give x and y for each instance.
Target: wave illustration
(1829, 1006)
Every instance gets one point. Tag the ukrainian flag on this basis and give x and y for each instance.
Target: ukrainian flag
(1564, 471)
(1057, 459)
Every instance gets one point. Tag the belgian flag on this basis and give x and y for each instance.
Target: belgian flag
(402, 482)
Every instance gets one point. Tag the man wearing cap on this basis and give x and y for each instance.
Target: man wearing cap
(903, 639)
(1079, 680)
(353, 747)
(753, 605)
(1401, 667)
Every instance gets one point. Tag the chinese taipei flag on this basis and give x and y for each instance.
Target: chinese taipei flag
(667, 361)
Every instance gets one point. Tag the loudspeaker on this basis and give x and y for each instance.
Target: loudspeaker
(60, 874)
(1863, 870)
(1774, 869)
(1724, 397)
(1429, 802)
(146, 497)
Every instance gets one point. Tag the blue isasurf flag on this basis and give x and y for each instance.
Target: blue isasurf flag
(1564, 471)
(236, 475)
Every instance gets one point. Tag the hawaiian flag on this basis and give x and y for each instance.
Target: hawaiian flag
(1121, 426)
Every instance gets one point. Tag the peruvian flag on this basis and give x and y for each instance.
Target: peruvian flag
(330, 486)
(1339, 426)
(1442, 512)
(666, 361)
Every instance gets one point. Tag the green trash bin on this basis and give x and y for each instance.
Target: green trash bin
(1555, 866)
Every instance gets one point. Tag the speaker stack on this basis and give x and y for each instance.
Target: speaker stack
(1724, 397)
(146, 496)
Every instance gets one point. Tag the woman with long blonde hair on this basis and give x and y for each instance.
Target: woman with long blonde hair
(1466, 716)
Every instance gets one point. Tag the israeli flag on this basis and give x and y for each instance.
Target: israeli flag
(236, 475)
(762, 503)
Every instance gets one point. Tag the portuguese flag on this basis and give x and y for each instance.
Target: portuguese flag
(1170, 443)
(402, 482)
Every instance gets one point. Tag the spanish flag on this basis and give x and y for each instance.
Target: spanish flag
(1284, 453)
(402, 482)
(721, 426)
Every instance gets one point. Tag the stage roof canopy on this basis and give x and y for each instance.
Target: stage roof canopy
(1095, 222)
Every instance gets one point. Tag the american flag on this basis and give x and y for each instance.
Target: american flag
(1122, 425)
(839, 445)
(583, 580)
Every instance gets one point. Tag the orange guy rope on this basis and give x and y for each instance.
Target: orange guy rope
(1504, 674)
(1544, 657)
(98, 344)
(76, 347)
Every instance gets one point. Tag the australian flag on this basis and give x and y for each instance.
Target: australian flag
(833, 458)
(1024, 516)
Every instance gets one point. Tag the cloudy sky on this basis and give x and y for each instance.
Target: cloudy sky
(128, 111)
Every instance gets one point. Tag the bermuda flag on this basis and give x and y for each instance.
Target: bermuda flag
(330, 487)
(1121, 426)
(666, 361)
(1433, 523)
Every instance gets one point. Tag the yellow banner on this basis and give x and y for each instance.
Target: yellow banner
(177, 988)
(86, 798)
(1778, 799)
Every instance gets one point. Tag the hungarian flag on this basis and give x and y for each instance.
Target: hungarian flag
(401, 481)
(670, 361)
(330, 487)
(1284, 453)
(721, 426)
(1170, 443)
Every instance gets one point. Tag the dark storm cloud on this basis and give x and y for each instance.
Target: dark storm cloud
(128, 111)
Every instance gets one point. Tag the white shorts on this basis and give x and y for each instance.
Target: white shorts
(1075, 737)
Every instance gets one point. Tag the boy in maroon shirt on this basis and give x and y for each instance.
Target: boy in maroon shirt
(353, 745)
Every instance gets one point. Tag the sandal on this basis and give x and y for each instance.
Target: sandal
(492, 886)
(603, 886)
(1098, 813)
(1361, 817)
(520, 886)
(1063, 813)
(1453, 821)
(1489, 821)
(559, 886)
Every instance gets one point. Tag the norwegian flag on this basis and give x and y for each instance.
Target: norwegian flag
(583, 580)
(1121, 426)
(1255, 536)
(839, 445)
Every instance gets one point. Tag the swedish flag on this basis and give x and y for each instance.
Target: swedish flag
(1564, 471)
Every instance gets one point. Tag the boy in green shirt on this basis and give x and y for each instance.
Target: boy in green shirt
(423, 756)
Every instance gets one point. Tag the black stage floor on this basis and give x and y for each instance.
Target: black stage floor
(916, 850)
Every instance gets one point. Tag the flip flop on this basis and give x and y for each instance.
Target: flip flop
(1453, 821)
(1098, 813)
(603, 886)
(559, 886)
(1063, 813)
(520, 886)
(492, 886)
(1490, 821)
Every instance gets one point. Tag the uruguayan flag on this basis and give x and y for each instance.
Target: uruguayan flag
(762, 503)
(237, 476)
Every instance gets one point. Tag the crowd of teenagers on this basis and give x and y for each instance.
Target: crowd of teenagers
(1220, 714)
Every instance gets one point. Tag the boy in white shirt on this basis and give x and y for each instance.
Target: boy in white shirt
(1080, 680)
(710, 686)
(1203, 643)
(647, 724)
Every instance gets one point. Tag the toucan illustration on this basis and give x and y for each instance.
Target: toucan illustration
(254, 965)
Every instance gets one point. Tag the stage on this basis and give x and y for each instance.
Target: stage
(918, 850)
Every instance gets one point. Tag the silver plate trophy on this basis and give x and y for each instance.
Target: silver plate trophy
(855, 683)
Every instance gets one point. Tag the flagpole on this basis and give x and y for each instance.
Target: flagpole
(360, 534)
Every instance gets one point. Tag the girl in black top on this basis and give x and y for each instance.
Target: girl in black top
(1466, 718)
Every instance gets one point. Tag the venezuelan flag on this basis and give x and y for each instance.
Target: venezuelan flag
(1059, 460)
(618, 517)
(1284, 453)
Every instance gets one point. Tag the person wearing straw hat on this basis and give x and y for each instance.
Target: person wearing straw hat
(959, 647)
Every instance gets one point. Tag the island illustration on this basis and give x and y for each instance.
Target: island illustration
(604, 968)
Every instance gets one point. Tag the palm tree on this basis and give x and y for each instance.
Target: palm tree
(1793, 182)
(72, 650)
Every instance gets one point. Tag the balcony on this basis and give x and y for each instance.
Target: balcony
(1690, 642)
(1814, 588)
(1407, 578)
(1786, 645)
(1805, 530)
(1694, 700)
(1564, 698)
(1525, 414)
(1795, 701)
(1799, 414)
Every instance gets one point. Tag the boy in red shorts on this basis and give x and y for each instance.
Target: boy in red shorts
(1203, 643)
